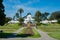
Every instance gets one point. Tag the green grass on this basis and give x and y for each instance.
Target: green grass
(50, 28)
(53, 30)
(55, 35)
(9, 28)
(35, 35)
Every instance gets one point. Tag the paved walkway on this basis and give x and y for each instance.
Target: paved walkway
(44, 36)
(19, 30)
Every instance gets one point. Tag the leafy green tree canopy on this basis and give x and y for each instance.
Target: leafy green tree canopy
(37, 16)
(44, 16)
(55, 15)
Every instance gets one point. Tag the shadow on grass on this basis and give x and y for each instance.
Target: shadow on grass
(13, 35)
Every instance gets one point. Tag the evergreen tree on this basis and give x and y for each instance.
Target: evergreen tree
(2, 15)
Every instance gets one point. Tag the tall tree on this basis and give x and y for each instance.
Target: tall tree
(44, 16)
(37, 16)
(20, 11)
(20, 16)
(55, 15)
(2, 15)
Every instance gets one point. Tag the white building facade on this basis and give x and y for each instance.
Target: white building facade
(28, 18)
(13, 21)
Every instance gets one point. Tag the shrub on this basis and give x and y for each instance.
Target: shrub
(38, 23)
(58, 21)
(21, 20)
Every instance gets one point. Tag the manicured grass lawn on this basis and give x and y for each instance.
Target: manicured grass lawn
(35, 35)
(55, 35)
(53, 30)
(50, 27)
(9, 28)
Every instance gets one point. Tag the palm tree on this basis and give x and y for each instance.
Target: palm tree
(20, 11)
(17, 15)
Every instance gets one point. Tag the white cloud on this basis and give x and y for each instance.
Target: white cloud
(25, 7)
(31, 2)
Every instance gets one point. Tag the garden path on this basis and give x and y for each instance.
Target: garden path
(44, 36)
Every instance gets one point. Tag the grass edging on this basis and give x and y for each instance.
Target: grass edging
(36, 34)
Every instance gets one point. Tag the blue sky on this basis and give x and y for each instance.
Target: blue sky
(11, 6)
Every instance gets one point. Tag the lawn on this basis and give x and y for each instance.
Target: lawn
(55, 35)
(9, 28)
(53, 30)
(35, 35)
